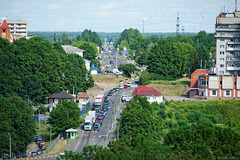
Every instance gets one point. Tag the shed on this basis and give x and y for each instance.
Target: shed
(71, 133)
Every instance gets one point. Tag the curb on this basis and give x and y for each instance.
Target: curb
(51, 155)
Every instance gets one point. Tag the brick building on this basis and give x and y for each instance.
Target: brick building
(5, 31)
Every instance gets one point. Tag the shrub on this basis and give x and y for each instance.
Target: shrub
(182, 123)
(178, 116)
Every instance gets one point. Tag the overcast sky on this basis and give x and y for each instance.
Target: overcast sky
(116, 15)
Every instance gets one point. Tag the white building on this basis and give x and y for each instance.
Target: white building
(151, 93)
(228, 43)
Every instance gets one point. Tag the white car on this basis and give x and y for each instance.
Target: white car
(118, 73)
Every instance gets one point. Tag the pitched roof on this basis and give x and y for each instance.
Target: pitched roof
(71, 49)
(4, 24)
(146, 91)
(61, 95)
(83, 95)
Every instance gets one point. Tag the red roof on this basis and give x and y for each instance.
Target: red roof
(83, 95)
(146, 91)
(4, 24)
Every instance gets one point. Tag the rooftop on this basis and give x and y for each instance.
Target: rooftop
(146, 91)
(61, 95)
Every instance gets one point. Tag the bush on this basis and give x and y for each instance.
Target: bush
(162, 114)
(178, 116)
(182, 123)
(170, 114)
(191, 117)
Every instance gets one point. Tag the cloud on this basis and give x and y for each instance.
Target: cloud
(109, 6)
(53, 6)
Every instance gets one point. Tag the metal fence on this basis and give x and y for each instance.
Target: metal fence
(53, 144)
(85, 108)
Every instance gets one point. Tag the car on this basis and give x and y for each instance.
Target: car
(106, 99)
(6, 156)
(33, 153)
(129, 84)
(39, 140)
(100, 118)
(43, 147)
(110, 93)
(40, 151)
(106, 107)
(97, 126)
(117, 88)
(102, 113)
(125, 86)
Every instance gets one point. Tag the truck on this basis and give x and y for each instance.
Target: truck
(117, 72)
(98, 103)
(93, 114)
(126, 98)
(100, 96)
(88, 123)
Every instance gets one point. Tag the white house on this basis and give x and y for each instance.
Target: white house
(151, 93)
(56, 97)
(71, 49)
(93, 70)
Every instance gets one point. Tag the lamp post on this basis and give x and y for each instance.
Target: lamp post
(50, 133)
(10, 146)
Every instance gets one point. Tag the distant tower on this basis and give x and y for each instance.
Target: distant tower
(177, 25)
(183, 30)
(5, 31)
(235, 5)
(143, 26)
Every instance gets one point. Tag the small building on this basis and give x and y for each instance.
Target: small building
(71, 133)
(82, 98)
(56, 97)
(87, 64)
(5, 31)
(151, 93)
(94, 70)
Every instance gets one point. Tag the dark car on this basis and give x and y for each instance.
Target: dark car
(21, 155)
(6, 156)
(104, 110)
(110, 93)
(97, 126)
(106, 107)
(39, 152)
(39, 140)
(33, 153)
(103, 113)
(106, 99)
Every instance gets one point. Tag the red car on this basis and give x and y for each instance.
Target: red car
(125, 86)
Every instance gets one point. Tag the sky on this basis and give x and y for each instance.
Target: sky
(116, 15)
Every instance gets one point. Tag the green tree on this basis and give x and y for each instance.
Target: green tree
(127, 69)
(66, 115)
(65, 39)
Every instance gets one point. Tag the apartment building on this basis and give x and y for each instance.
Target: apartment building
(18, 28)
(228, 43)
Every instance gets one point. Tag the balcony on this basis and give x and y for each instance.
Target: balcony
(233, 43)
(233, 68)
(230, 59)
(233, 49)
(227, 29)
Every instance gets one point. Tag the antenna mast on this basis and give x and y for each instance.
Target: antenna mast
(235, 5)
(143, 26)
(177, 25)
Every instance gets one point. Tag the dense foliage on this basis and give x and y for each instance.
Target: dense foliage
(35, 68)
(65, 116)
(195, 133)
(89, 36)
(15, 119)
(127, 69)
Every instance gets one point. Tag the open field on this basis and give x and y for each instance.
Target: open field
(171, 88)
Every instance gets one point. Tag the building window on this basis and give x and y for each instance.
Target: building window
(227, 93)
(231, 72)
(214, 92)
(221, 46)
(222, 59)
(221, 39)
(231, 52)
(222, 33)
(222, 65)
(222, 52)
(221, 72)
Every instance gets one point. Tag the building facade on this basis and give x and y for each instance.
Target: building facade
(5, 31)
(228, 43)
(18, 28)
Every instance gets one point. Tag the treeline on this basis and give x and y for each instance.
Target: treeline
(169, 58)
(35, 69)
(143, 135)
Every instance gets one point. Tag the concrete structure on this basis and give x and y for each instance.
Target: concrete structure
(18, 28)
(5, 31)
(93, 70)
(151, 93)
(56, 97)
(228, 43)
(71, 49)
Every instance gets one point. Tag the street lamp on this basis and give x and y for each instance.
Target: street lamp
(50, 133)
(10, 146)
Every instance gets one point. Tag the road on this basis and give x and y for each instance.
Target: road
(108, 57)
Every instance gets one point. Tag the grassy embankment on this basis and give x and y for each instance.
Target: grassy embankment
(171, 88)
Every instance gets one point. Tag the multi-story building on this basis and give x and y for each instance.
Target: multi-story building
(18, 28)
(228, 43)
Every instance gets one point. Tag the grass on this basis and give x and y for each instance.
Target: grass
(171, 88)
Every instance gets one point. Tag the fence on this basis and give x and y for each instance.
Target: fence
(53, 144)
(85, 108)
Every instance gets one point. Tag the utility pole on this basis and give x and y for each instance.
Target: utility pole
(39, 118)
(116, 60)
(201, 64)
(177, 25)
(10, 146)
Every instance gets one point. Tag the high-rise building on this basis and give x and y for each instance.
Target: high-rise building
(228, 43)
(18, 28)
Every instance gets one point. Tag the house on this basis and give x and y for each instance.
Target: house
(151, 93)
(87, 64)
(93, 70)
(82, 98)
(56, 97)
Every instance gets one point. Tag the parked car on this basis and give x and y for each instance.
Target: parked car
(129, 84)
(33, 153)
(106, 99)
(100, 118)
(43, 147)
(110, 93)
(125, 86)
(21, 155)
(6, 156)
(106, 107)
(39, 152)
